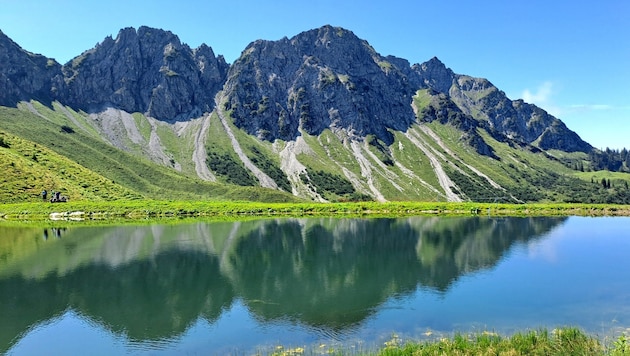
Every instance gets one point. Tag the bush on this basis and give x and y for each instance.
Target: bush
(233, 172)
(474, 187)
(326, 182)
(67, 129)
(380, 149)
(272, 170)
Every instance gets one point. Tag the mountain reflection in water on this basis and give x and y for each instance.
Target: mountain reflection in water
(154, 282)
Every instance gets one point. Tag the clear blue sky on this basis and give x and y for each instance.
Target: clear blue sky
(571, 58)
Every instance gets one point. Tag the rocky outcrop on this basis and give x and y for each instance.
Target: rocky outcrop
(24, 75)
(324, 78)
(516, 119)
(557, 136)
(435, 75)
(148, 71)
(444, 110)
(329, 78)
(319, 79)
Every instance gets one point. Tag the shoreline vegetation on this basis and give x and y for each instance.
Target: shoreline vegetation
(562, 341)
(155, 209)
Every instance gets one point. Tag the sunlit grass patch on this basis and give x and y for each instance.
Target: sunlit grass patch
(565, 341)
(562, 341)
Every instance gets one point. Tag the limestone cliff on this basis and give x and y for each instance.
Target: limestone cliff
(516, 119)
(318, 79)
(148, 71)
(322, 78)
(24, 75)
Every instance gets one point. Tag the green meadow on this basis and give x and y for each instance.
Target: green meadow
(563, 341)
(142, 209)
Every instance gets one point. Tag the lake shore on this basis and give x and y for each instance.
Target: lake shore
(143, 209)
(562, 341)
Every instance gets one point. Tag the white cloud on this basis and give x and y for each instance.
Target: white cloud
(597, 109)
(591, 107)
(542, 98)
(542, 95)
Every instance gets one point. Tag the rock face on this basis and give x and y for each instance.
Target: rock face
(148, 71)
(444, 110)
(24, 75)
(323, 78)
(318, 79)
(330, 78)
(515, 119)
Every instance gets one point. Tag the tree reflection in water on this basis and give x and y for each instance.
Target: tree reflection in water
(152, 283)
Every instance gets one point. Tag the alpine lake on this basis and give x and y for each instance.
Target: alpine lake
(315, 284)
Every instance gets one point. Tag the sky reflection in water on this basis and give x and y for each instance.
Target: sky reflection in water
(221, 287)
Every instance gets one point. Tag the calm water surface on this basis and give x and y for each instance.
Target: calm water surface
(216, 288)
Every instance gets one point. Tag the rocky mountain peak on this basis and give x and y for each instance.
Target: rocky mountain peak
(146, 70)
(323, 78)
(325, 36)
(435, 75)
(330, 78)
(25, 75)
(341, 48)
(434, 64)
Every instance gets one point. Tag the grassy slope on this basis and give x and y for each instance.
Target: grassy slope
(219, 143)
(527, 176)
(614, 177)
(327, 154)
(28, 168)
(178, 149)
(144, 178)
(249, 143)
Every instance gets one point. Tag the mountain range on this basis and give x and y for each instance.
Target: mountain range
(321, 115)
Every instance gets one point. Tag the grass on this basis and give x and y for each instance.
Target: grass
(320, 149)
(177, 150)
(141, 209)
(127, 172)
(143, 125)
(260, 154)
(422, 99)
(29, 168)
(404, 151)
(223, 160)
(614, 177)
(384, 176)
(562, 341)
(529, 176)
(526, 176)
(385, 66)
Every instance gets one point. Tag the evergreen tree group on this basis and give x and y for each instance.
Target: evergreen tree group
(611, 160)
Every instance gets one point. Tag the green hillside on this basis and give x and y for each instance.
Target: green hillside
(56, 148)
(55, 153)
(29, 168)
